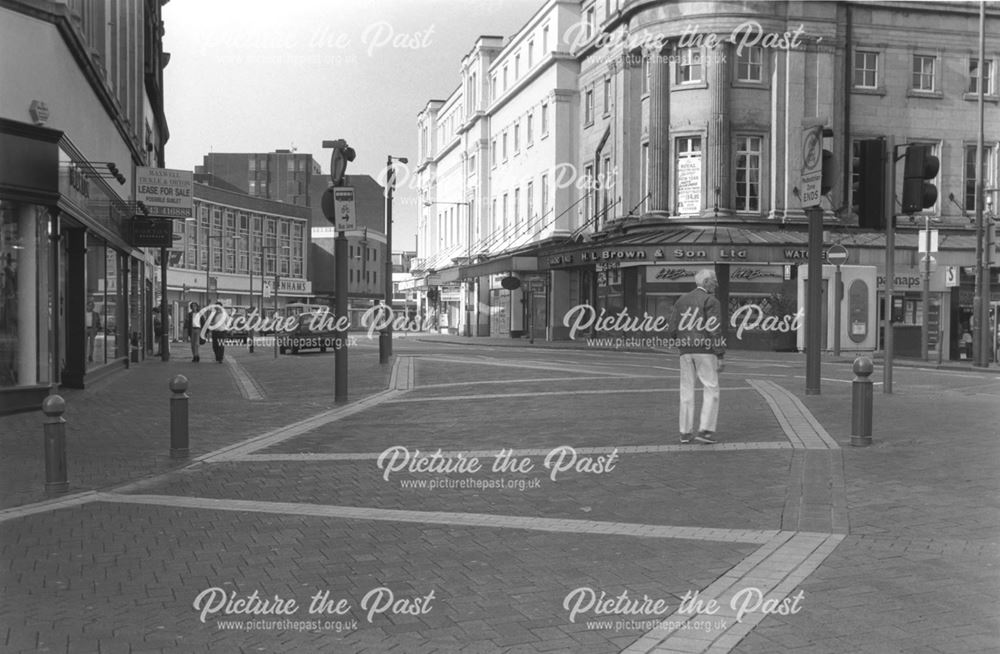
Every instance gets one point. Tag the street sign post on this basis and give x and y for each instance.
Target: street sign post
(812, 165)
(339, 207)
(837, 255)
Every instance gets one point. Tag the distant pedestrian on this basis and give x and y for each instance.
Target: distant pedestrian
(696, 324)
(157, 331)
(192, 327)
(217, 318)
(92, 321)
(966, 342)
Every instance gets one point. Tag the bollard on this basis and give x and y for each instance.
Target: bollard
(861, 403)
(179, 417)
(55, 445)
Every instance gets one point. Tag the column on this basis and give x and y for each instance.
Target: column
(76, 307)
(659, 132)
(719, 141)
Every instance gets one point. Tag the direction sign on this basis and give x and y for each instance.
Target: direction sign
(837, 255)
(812, 165)
(339, 207)
(922, 240)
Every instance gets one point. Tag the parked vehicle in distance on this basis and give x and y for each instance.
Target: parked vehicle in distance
(313, 330)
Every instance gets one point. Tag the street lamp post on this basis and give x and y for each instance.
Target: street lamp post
(468, 253)
(385, 337)
(263, 249)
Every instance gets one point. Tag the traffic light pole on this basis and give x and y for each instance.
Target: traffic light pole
(340, 308)
(814, 299)
(925, 292)
(890, 258)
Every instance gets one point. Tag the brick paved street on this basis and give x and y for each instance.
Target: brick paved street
(894, 547)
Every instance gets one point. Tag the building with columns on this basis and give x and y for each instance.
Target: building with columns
(684, 130)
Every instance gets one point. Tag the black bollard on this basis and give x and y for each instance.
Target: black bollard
(861, 403)
(55, 445)
(179, 417)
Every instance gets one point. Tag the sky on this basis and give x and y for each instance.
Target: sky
(261, 75)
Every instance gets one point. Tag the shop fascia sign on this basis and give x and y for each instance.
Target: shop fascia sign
(691, 253)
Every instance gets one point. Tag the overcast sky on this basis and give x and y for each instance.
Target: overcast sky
(261, 75)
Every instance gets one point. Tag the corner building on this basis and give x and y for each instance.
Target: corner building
(684, 130)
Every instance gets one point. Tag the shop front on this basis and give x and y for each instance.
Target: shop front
(73, 293)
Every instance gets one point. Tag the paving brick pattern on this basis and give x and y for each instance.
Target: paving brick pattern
(130, 573)
(894, 546)
(666, 489)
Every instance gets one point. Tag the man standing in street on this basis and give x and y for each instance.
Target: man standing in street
(696, 324)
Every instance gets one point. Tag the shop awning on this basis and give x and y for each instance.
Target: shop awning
(514, 263)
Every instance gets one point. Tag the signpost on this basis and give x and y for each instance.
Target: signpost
(338, 202)
(166, 195)
(812, 165)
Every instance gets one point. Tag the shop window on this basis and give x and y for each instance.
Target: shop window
(25, 333)
(689, 66)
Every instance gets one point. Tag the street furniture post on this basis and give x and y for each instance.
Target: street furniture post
(861, 402)
(54, 427)
(179, 417)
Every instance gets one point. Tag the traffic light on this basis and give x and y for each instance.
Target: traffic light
(868, 188)
(829, 176)
(921, 165)
(341, 155)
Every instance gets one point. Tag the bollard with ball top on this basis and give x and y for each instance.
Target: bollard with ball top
(55, 445)
(861, 402)
(179, 417)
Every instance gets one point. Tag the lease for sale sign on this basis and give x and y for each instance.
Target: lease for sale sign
(165, 193)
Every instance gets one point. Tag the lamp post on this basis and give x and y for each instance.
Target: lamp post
(385, 338)
(468, 252)
(263, 249)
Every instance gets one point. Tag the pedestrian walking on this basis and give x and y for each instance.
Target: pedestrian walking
(92, 321)
(192, 327)
(218, 318)
(696, 326)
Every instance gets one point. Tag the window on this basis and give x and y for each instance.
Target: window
(545, 194)
(545, 118)
(472, 165)
(607, 95)
(517, 209)
(253, 187)
(290, 166)
(865, 69)
(923, 73)
(530, 129)
(748, 64)
(493, 88)
(588, 186)
(517, 66)
(517, 137)
(987, 74)
(493, 217)
(493, 153)
(688, 178)
(591, 21)
(545, 39)
(529, 202)
(689, 66)
(607, 183)
(989, 173)
(253, 164)
(505, 146)
(645, 73)
(748, 173)
(531, 54)
(588, 108)
(505, 78)
(503, 225)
